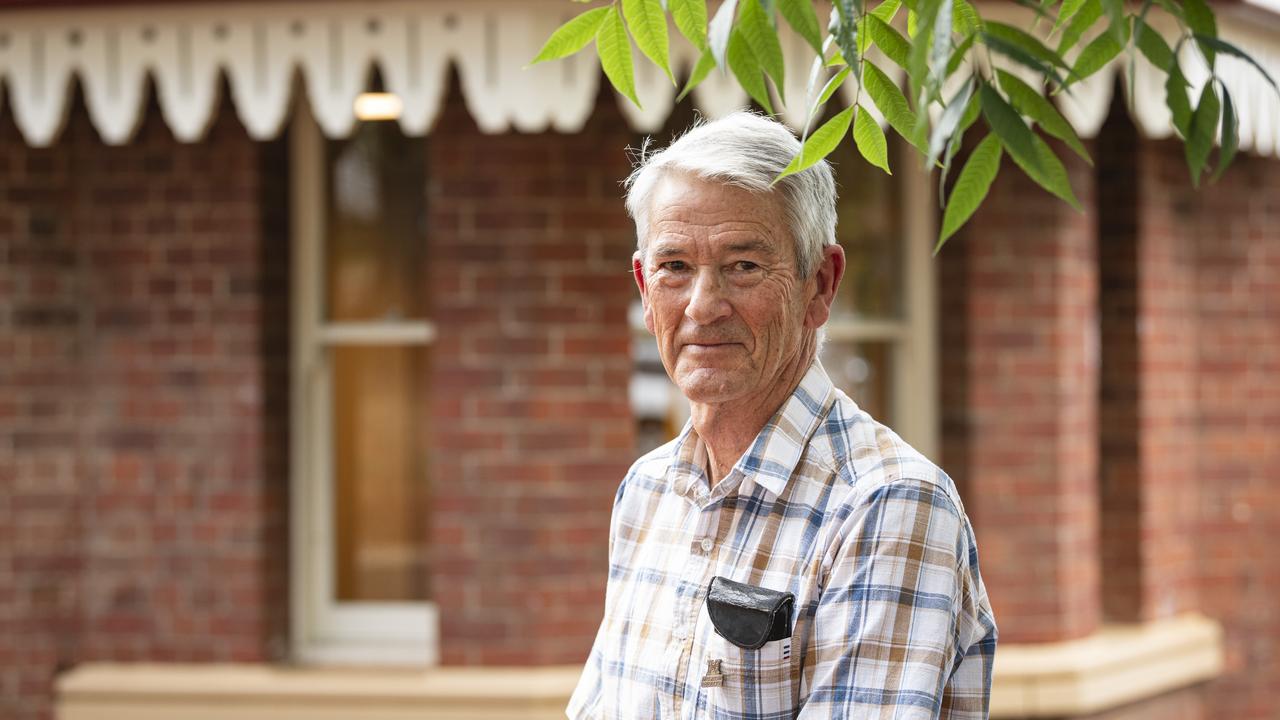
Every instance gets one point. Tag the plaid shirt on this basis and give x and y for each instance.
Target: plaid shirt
(891, 618)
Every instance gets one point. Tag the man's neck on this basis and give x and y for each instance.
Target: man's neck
(728, 429)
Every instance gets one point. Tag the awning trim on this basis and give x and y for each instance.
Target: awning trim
(331, 46)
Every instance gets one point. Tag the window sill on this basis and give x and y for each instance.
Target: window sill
(1118, 665)
(264, 692)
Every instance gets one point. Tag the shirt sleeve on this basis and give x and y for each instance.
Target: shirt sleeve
(584, 704)
(891, 625)
(586, 701)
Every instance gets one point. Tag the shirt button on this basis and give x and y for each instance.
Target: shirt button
(707, 544)
(681, 632)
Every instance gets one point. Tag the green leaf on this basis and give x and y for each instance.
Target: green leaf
(691, 20)
(971, 187)
(1049, 172)
(1032, 104)
(706, 63)
(971, 114)
(889, 100)
(1118, 26)
(1175, 92)
(833, 84)
(1022, 57)
(965, 18)
(1027, 42)
(1226, 47)
(919, 136)
(1174, 9)
(941, 50)
(572, 36)
(800, 16)
(747, 69)
(1200, 19)
(887, 10)
(1014, 134)
(895, 47)
(949, 122)
(1066, 12)
(1230, 134)
(1152, 45)
(614, 48)
(820, 143)
(1081, 21)
(845, 31)
(649, 27)
(1095, 56)
(869, 138)
(864, 38)
(1204, 128)
(922, 39)
(921, 42)
(957, 55)
(762, 38)
(720, 30)
(811, 92)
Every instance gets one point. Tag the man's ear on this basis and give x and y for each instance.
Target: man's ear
(828, 276)
(637, 270)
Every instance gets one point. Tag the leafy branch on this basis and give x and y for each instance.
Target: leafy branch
(947, 44)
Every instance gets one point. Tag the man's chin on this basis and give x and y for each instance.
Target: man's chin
(709, 384)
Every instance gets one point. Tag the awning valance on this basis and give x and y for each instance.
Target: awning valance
(331, 46)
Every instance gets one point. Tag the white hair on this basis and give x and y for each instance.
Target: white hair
(745, 150)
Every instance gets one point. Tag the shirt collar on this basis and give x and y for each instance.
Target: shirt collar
(777, 449)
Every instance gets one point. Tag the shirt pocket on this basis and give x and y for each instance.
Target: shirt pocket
(739, 682)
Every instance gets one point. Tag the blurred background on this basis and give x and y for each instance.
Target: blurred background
(321, 362)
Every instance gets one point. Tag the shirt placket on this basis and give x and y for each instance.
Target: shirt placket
(697, 573)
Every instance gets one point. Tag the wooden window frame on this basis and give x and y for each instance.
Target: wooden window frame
(913, 337)
(325, 631)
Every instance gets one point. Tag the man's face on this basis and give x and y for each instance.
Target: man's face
(721, 289)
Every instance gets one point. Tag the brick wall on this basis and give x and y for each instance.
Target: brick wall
(1191, 343)
(141, 402)
(1017, 305)
(530, 254)
(1230, 233)
(1187, 417)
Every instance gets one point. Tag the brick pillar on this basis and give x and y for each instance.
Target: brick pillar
(1229, 499)
(1017, 312)
(1149, 440)
(530, 257)
(1167, 367)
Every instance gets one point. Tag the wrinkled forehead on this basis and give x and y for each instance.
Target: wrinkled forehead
(687, 209)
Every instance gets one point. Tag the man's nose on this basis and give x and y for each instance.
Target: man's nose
(708, 303)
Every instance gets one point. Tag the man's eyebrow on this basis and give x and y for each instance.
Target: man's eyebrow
(751, 246)
(665, 251)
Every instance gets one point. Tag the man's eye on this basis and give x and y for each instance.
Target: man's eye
(745, 266)
(675, 265)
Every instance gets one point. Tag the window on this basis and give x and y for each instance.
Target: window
(880, 339)
(361, 352)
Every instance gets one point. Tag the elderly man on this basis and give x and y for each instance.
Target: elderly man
(786, 555)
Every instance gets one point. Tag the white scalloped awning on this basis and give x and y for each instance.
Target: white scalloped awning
(332, 45)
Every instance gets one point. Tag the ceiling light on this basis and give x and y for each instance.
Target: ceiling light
(378, 106)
